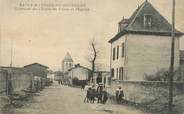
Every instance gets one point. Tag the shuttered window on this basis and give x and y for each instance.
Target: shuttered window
(121, 73)
(112, 72)
(114, 53)
(117, 73)
(117, 52)
(123, 50)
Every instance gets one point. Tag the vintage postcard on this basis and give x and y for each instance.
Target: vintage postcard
(91, 57)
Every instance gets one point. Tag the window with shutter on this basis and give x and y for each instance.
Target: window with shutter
(123, 50)
(117, 52)
(114, 53)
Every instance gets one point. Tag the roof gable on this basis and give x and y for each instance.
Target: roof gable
(158, 22)
(68, 57)
(79, 67)
(36, 64)
(135, 24)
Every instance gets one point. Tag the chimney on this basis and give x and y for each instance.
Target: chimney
(76, 65)
(123, 24)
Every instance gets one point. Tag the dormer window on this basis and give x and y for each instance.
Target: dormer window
(147, 21)
(123, 24)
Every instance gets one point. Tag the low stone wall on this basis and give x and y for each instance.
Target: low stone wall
(19, 79)
(4, 100)
(145, 91)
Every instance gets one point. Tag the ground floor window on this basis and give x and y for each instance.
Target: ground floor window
(117, 73)
(99, 79)
(104, 80)
(112, 72)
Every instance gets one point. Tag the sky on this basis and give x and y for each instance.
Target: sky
(45, 36)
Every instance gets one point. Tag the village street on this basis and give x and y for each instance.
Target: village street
(58, 99)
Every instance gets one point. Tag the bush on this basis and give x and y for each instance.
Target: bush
(162, 75)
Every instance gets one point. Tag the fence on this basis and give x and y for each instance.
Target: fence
(15, 79)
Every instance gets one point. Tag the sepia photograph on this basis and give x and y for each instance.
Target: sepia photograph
(91, 56)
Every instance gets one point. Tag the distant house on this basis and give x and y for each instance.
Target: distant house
(58, 75)
(182, 64)
(50, 75)
(37, 69)
(102, 77)
(142, 45)
(79, 72)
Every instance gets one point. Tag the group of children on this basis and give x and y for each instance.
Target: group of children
(101, 94)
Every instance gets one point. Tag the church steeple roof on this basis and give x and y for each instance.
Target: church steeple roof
(68, 57)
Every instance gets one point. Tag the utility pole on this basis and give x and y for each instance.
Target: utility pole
(11, 61)
(10, 72)
(172, 60)
(0, 47)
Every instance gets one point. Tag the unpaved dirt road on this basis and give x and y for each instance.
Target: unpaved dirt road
(58, 99)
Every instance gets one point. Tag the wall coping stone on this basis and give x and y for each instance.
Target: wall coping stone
(164, 82)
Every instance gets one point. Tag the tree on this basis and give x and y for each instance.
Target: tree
(92, 57)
